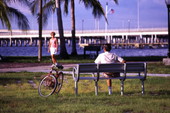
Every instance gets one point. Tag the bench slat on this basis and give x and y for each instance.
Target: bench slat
(86, 78)
(135, 67)
(114, 67)
(134, 77)
(87, 68)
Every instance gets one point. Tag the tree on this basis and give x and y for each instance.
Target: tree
(40, 31)
(7, 14)
(73, 29)
(49, 7)
(97, 12)
(63, 51)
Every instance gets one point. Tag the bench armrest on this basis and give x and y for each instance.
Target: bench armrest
(74, 75)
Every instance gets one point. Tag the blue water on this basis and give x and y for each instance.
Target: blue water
(33, 51)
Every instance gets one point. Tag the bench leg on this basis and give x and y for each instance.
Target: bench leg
(143, 88)
(96, 88)
(76, 88)
(122, 87)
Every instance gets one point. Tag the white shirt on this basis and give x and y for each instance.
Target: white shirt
(108, 57)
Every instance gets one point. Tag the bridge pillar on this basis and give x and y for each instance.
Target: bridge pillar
(25, 42)
(79, 39)
(152, 37)
(90, 40)
(108, 40)
(30, 43)
(45, 41)
(114, 40)
(69, 42)
(10, 41)
(155, 39)
(59, 41)
(15, 42)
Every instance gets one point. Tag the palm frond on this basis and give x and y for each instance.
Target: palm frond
(34, 7)
(116, 1)
(25, 2)
(48, 9)
(66, 2)
(97, 9)
(3, 15)
(20, 18)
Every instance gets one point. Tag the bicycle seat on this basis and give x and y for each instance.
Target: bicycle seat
(55, 67)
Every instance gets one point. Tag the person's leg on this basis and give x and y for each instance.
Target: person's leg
(53, 59)
(109, 84)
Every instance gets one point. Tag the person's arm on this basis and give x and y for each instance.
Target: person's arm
(123, 61)
(120, 59)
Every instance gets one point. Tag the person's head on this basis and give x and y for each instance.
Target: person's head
(52, 33)
(107, 47)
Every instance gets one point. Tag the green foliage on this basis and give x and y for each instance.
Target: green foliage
(22, 97)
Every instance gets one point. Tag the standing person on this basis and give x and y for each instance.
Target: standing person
(53, 49)
(108, 57)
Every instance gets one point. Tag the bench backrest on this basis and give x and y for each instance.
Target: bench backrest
(87, 68)
(135, 67)
(113, 67)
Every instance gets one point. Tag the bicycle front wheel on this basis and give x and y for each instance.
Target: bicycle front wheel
(60, 78)
(47, 86)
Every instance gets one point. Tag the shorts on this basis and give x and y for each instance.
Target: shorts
(111, 74)
(53, 51)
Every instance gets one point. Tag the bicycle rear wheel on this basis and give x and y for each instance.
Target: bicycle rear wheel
(60, 78)
(47, 86)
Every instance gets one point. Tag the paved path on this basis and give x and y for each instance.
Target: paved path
(66, 66)
(34, 68)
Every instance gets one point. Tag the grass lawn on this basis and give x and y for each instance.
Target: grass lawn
(18, 95)
(74, 59)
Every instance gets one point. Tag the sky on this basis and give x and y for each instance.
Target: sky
(127, 14)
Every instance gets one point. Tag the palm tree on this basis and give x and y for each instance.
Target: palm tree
(40, 32)
(7, 14)
(97, 12)
(48, 7)
(73, 29)
(63, 51)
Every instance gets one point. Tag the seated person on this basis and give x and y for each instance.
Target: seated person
(108, 57)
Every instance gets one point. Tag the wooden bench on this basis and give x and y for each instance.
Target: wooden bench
(93, 72)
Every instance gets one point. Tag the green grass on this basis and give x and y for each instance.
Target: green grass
(22, 97)
(47, 59)
(74, 59)
(158, 67)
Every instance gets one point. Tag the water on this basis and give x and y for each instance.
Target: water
(33, 51)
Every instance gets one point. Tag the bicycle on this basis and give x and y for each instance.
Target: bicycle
(51, 82)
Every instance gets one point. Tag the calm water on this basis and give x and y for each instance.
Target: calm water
(33, 51)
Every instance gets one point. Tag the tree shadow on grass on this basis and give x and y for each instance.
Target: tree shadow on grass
(152, 93)
(159, 92)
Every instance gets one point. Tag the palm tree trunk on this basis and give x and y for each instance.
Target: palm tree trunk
(40, 32)
(63, 51)
(73, 29)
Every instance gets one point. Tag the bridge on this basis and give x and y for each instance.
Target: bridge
(117, 37)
